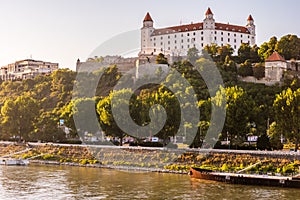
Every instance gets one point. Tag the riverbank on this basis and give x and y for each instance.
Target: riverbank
(155, 159)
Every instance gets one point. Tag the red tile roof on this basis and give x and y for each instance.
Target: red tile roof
(275, 57)
(208, 12)
(250, 18)
(148, 18)
(181, 28)
(199, 26)
(233, 28)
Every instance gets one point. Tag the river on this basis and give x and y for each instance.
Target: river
(64, 182)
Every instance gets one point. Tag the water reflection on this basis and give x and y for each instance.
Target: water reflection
(58, 182)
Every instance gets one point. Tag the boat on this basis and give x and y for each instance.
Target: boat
(246, 179)
(13, 161)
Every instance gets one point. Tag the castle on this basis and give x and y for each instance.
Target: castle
(177, 40)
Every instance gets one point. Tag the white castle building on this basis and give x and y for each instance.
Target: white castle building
(177, 40)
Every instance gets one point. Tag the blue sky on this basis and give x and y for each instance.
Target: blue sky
(64, 30)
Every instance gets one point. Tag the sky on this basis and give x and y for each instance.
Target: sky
(64, 30)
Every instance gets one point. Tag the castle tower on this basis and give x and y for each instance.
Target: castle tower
(209, 25)
(209, 21)
(146, 32)
(251, 27)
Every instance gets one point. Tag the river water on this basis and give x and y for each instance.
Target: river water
(64, 182)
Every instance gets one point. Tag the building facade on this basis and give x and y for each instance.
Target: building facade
(177, 40)
(25, 69)
(275, 66)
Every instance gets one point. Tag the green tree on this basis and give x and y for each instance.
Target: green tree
(263, 142)
(254, 57)
(259, 71)
(275, 137)
(106, 117)
(19, 117)
(245, 69)
(289, 47)
(211, 50)
(224, 51)
(238, 107)
(287, 114)
(193, 55)
(244, 52)
(161, 59)
(47, 129)
(267, 48)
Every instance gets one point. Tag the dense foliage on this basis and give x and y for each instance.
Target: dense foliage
(32, 109)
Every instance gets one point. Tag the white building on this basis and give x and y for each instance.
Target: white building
(25, 69)
(176, 40)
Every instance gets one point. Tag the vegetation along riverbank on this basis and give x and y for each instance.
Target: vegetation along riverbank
(157, 159)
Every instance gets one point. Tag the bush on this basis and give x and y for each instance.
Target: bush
(245, 69)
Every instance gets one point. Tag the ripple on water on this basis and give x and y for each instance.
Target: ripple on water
(61, 182)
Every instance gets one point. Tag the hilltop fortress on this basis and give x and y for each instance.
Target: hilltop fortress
(177, 40)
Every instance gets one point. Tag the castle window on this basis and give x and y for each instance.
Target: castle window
(154, 50)
(168, 37)
(248, 36)
(241, 41)
(179, 30)
(161, 38)
(193, 39)
(188, 40)
(194, 33)
(181, 35)
(188, 34)
(168, 42)
(241, 35)
(202, 45)
(234, 40)
(169, 48)
(175, 41)
(221, 33)
(201, 38)
(235, 46)
(186, 29)
(154, 39)
(188, 46)
(175, 47)
(182, 46)
(194, 28)
(215, 38)
(201, 32)
(234, 35)
(161, 43)
(154, 44)
(181, 41)
(215, 32)
(175, 36)
(228, 34)
(194, 45)
(228, 39)
(161, 49)
(222, 39)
